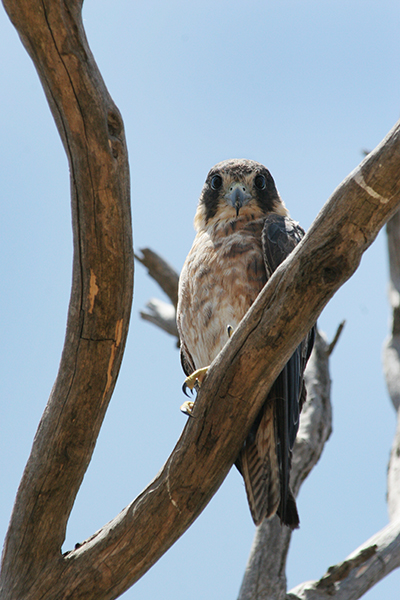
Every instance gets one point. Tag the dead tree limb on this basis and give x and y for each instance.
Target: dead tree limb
(359, 572)
(265, 574)
(160, 313)
(381, 554)
(391, 362)
(123, 550)
(92, 132)
(165, 275)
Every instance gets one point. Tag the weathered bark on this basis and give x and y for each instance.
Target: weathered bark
(359, 572)
(91, 128)
(391, 363)
(92, 133)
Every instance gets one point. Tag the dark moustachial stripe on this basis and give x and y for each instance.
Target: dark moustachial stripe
(266, 198)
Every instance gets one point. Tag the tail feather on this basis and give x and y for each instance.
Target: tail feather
(259, 467)
(288, 514)
(258, 462)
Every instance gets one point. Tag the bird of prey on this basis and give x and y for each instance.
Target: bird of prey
(243, 234)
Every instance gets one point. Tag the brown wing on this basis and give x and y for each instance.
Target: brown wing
(259, 467)
(266, 455)
(186, 359)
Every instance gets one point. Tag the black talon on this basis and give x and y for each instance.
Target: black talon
(184, 388)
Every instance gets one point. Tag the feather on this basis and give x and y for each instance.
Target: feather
(243, 234)
(279, 237)
(259, 467)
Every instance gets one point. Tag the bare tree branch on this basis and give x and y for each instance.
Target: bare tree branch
(91, 128)
(92, 132)
(265, 575)
(394, 477)
(352, 578)
(391, 352)
(165, 275)
(391, 362)
(381, 554)
(161, 313)
(333, 343)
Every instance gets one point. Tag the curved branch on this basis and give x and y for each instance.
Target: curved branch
(361, 570)
(92, 132)
(116, 556)
(121, 552)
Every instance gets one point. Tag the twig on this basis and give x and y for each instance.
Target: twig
(161, 314)
(162, 272)
(333, 343)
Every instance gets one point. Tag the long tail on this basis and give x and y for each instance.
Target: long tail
(259, 467)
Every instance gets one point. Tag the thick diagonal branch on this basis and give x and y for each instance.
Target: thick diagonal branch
(91, 129)
(124, 549)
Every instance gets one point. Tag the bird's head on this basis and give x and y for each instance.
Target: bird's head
(236, 188)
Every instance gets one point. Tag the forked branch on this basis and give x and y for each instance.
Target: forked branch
(92, 133)
(125, 548)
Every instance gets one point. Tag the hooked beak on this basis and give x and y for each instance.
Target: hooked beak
(237, 196)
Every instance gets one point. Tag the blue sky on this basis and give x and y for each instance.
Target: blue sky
(302, 87)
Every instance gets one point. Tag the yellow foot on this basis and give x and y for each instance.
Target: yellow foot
(187, 408)
(194, 380)
(229, 330)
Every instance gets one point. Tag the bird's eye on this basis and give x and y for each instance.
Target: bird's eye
(259, 182)
(216, 182)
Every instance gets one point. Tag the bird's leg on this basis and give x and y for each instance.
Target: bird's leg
(194, 381)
